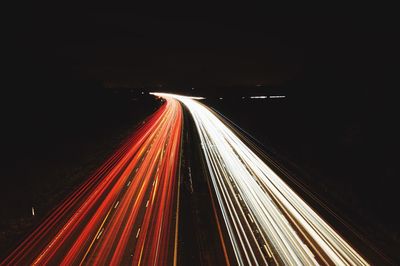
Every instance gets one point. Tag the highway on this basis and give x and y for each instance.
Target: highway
(126, 213)
(265, 221)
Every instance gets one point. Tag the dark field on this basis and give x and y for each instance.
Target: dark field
(54, 142)
(341, 146)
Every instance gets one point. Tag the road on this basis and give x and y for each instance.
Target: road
(126, 213)
(264, 220)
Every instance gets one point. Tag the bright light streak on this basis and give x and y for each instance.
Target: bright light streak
(170, 95)
(108, 220)
(263, 216)
(258, 97)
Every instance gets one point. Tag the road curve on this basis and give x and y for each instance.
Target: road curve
(265, 220)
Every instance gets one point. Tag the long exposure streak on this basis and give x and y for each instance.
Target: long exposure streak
(266, 221)
(123, 214)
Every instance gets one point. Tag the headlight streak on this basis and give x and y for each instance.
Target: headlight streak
(249, 192)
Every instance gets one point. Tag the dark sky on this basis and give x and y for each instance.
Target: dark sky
(196, 49)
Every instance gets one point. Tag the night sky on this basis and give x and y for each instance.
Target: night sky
(211, 49)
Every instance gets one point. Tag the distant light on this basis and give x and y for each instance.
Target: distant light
(192, 88)
(142, 92)
(243, 97)
(168, 95)
(277, 96)
(258, 97)
(220, 98)
(259, 85)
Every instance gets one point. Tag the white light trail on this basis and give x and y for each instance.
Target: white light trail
(258, 97)
(277, 96)
(262, 214)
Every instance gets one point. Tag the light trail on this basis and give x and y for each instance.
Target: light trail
(117, 216)
(266, 221)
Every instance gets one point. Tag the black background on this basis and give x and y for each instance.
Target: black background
(337, 65)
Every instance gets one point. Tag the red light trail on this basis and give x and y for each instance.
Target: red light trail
(126, 213)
